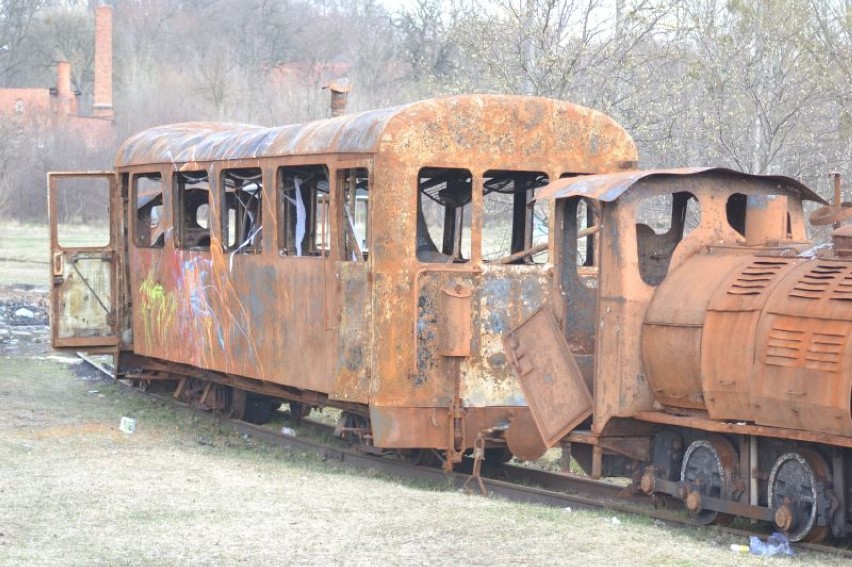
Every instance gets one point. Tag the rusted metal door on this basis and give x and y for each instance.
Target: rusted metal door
(549, 376)
(84, 215)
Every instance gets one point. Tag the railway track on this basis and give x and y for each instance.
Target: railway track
(515, 483)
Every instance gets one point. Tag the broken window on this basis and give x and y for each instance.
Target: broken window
(242, 213)
(511, 232)
(356, 219)
(662, 221)
(443, 215)
(192, 192)
(303, 210)
(148, 195)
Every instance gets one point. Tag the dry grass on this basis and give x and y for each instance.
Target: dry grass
(76, 491)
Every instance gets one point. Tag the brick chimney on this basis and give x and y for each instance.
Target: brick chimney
(66, 101)
(103, 63)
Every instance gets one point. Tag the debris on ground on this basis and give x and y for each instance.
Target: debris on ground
(24, 321)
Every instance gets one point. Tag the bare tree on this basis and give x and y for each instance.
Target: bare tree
(16, 22)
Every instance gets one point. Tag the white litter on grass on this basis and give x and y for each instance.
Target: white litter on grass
(614, 521)
(288, 431)
(127, 425)
(57, 358)
(566, 509)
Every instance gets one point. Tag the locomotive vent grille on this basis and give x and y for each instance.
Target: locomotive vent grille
(757, 277)
(798, 348)
(825, 280)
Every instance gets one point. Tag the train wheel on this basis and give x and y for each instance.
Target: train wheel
(793, 494)
(250, 407)
(708, 465)
(497, 456)
(299, 410)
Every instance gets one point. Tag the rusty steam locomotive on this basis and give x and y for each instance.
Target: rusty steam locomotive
(482, 272)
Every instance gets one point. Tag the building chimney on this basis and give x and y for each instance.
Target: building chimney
(102, 107)
(339, 94)
(66, 101)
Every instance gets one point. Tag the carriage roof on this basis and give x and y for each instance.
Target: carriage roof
(475, 123)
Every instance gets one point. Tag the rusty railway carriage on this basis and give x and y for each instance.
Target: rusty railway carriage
(483, 273)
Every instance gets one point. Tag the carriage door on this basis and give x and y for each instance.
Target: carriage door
(352, 195)
(84, 211)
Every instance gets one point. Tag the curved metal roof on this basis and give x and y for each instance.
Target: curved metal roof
(611, 186)
(365, 132)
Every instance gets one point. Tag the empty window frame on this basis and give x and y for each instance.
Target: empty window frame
(512, 231)
(192, 207)
(242, 228)
(303, 210)
(662, 221)
(148, 194)
(356, 209)
(443, 215)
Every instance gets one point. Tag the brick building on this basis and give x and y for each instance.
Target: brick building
(58, 107)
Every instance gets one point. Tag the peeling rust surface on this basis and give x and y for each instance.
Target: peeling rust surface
(610, 187)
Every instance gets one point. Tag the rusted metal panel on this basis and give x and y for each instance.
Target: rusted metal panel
(610, 187)
(249, 318)
(673, 327)
(352, 382)
(396, 130)
(804, 355)
(455, 321)
(728, 351)
(84, 306)
(550, 378)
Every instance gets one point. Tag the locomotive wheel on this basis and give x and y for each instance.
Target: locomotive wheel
(709, 464)
(793, 494)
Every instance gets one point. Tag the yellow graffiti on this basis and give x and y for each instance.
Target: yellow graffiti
(158, 308)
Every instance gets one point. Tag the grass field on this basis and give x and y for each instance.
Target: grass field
(180, 491)
(24, 254)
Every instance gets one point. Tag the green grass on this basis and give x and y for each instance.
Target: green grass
(24, 254)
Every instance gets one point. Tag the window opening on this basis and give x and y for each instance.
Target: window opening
(193, 208)
(662, 221)
(356, 223)
(443, 215)
(736, 212)
(242, 229)
(303, 210)
(580, 241)
(510, 228)
(82, 211)
(148, 191)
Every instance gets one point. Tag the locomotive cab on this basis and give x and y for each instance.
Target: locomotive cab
(719, 342)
